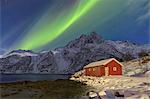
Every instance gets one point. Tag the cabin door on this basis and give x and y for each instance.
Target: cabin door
(106, 71)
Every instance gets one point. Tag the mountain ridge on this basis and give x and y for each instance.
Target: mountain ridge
(70, 58)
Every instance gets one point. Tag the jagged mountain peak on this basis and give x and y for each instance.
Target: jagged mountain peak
(92, 35)
(92, 38)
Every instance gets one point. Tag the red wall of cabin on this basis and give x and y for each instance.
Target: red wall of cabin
(113, 64)
(95, 71)
(100, 70)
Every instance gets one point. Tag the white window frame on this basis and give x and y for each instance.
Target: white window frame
(114, 68)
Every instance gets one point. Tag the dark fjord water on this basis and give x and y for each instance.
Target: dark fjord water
(5, 78)
(40, 86)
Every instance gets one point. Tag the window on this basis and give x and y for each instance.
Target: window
(89, 69)
(114, 68)
(93, 69)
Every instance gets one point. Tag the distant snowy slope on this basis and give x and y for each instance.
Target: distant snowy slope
(20, 53)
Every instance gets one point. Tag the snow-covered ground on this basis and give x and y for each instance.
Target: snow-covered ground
(134, 83)
(131, 87)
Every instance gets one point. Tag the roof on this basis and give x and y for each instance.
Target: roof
(101, 63)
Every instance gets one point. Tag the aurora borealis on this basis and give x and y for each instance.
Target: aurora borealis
(53, 29)
(48, 24)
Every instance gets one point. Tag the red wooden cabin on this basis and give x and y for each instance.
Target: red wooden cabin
(104, 68)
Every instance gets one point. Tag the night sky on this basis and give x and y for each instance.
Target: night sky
(47, 24)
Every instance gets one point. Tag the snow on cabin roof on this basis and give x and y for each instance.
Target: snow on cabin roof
(101, 63)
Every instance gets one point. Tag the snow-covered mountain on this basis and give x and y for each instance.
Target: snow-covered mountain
(69, 59)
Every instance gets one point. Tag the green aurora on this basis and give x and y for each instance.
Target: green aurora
(45, 31)
(49, 24)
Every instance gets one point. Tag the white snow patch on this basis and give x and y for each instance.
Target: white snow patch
(21, 54)
(55, 52)
(44, 52)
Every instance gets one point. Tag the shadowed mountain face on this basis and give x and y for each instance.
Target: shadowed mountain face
(71, 58)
